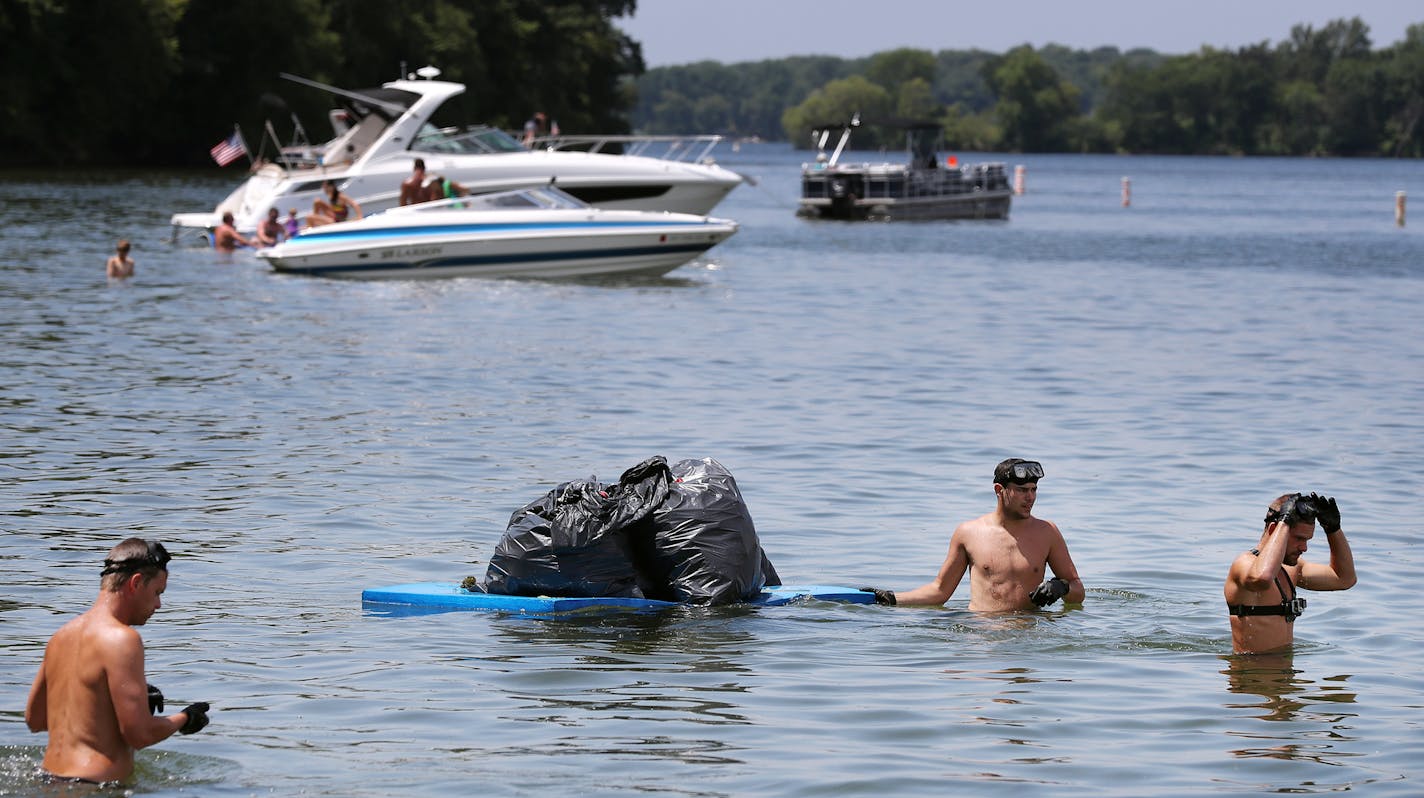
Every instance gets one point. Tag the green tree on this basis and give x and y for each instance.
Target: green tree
(228, 65)
(891, 68)
(967, 130)
(836, 103)
(1354, 90)
(1035, 105)
(1403, 68)
(1309, 53)
(82, 80)
(915, 100)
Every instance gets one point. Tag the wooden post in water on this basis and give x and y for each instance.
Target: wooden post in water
(1019, 179)
(1399, 208)
(1126, 191)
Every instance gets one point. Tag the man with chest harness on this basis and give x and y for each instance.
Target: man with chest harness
(1261, 586)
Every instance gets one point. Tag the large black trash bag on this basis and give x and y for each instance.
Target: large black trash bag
(571, 542)
(699, 546)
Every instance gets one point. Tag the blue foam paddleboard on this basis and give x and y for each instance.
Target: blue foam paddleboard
(425, 597)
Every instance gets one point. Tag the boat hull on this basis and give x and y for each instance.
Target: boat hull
(549, 249)
(977, 205)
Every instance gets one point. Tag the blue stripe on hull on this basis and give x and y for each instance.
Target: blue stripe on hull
(483, 227)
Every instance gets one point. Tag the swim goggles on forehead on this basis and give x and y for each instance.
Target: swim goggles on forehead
(1024, 471)
(1298, 507)
(155, 557)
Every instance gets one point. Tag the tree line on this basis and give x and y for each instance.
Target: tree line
(1325, 91)
(158, 82)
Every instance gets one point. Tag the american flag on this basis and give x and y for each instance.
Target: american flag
(229, 149)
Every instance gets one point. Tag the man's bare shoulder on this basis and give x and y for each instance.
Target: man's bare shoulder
(1044, 526)
(102, 633)
(975, 527)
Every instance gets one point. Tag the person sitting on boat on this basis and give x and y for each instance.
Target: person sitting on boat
(293, 224)
(440, 187)
(334, 207)
(226, 238)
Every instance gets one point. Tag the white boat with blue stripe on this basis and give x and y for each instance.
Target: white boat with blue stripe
(529, 232)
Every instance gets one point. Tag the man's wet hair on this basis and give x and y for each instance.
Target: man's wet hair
(134, 556)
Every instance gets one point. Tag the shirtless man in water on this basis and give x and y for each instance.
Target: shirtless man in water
(1261, 584)
(90, 693)
(225, 236)
(1004, 552)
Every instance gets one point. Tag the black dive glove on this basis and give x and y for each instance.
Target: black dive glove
(886, 597)
(1048, 592)
(1327, 512)
(197, 718)
(155, 700)
(1293, 510)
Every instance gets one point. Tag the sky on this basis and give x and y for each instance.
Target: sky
(733, 31)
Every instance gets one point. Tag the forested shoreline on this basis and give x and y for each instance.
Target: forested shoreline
(1318, 92)
(158, 82)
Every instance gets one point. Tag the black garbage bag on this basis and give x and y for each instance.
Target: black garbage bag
(571, 541)
(699, 545)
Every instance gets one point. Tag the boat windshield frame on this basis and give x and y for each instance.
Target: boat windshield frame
(528, 198)
(475, 140)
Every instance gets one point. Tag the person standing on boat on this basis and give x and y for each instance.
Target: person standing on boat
(226, 238)
(120, 265)
(1261, 585)
(1005, 553)
(334, 207)
(412, 189)
(91, 694)
(534, 127)
(271, 232)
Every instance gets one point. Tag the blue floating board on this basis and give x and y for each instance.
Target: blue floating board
(427, 597)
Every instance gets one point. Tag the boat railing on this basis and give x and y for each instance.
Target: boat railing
(895, 181)
(682, 148)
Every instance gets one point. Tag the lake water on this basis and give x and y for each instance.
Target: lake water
(1247, 327)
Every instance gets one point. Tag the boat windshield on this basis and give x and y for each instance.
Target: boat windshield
(540, 197)
(480, 140)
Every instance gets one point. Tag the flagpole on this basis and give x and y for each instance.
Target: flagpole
(243, 140)
(272, 134)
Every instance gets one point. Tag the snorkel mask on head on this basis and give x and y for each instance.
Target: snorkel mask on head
(1018, 472)
(155, 557)
(1297, 508)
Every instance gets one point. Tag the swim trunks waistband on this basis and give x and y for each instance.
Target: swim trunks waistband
(50, 778)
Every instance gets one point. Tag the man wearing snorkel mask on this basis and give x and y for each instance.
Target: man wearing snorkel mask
(1005, 553)
(1261, 585)
(90, 693)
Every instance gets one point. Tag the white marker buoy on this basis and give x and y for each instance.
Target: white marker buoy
(1019, 179)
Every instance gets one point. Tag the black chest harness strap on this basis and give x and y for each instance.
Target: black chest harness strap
(1291, 606)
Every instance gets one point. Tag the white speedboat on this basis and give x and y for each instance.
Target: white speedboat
(532, 232)
(384, 130)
